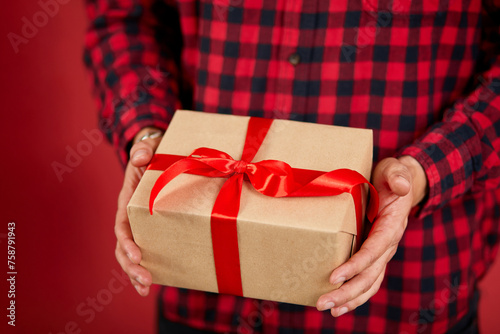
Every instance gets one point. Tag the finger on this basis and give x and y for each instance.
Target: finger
(135, 271)
(142, 291)
(142, 152)
(124, 235)
(384, 235)
(355, 287)
(139, 276)
(127, 244)
(372, 249)
(353, 304)
(132, 177)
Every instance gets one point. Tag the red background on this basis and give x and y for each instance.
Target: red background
(64, 227)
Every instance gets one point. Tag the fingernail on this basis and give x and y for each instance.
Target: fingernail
(139, 279)
(328, 306)
(342, 311)
(339, 280)
(129, 256)
(139, 154)
(137, 289)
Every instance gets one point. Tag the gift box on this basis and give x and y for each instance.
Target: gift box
(246, 206)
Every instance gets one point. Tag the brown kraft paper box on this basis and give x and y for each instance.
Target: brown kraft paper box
(288, 247)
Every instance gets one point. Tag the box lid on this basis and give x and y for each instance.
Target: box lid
(302, 145)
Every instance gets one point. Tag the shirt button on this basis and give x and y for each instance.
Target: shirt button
(294, 59)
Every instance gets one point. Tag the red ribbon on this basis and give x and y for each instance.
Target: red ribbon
(269, 177)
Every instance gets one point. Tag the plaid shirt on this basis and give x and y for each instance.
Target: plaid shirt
(424, 75)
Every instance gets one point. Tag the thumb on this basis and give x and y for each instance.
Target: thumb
(400, 184)
(391, 173)
(142, 152)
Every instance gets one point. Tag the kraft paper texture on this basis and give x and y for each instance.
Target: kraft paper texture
(288, 247)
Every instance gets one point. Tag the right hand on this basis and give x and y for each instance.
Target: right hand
(127, 252)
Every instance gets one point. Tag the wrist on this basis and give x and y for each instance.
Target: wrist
(419, 186)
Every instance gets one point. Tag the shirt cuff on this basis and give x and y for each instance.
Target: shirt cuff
(123, 136)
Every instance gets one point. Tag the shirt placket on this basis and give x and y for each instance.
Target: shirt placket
(289, 59)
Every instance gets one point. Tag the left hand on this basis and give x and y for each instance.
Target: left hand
(401, 184)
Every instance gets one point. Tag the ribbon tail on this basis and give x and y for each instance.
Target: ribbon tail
(371, 210)
(357, 196)
(225, 236)
(373, 204)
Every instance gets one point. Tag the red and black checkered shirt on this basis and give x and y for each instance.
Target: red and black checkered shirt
(424, 75)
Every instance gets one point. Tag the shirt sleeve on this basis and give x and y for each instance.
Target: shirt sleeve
(135, 81)
(461, 153)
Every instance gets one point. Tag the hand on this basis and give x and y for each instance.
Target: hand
(401, 184)
(127, 252)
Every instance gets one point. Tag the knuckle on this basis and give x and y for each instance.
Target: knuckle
(396, 239)
(119, 234)
(148, 144)
(367, 285)
(346, 294)
(397, 235)
(352, 305)
(352, 268)
(393, 252)
(117, 230)
(120, 254)
(139, 145)
(117, 253)
(376, 287)
(129, 268)
(369, 253)
(122, 197)
(142, 145)
(390, 165)
(389, 236)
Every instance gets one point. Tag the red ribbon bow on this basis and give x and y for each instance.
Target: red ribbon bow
(269, 177)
